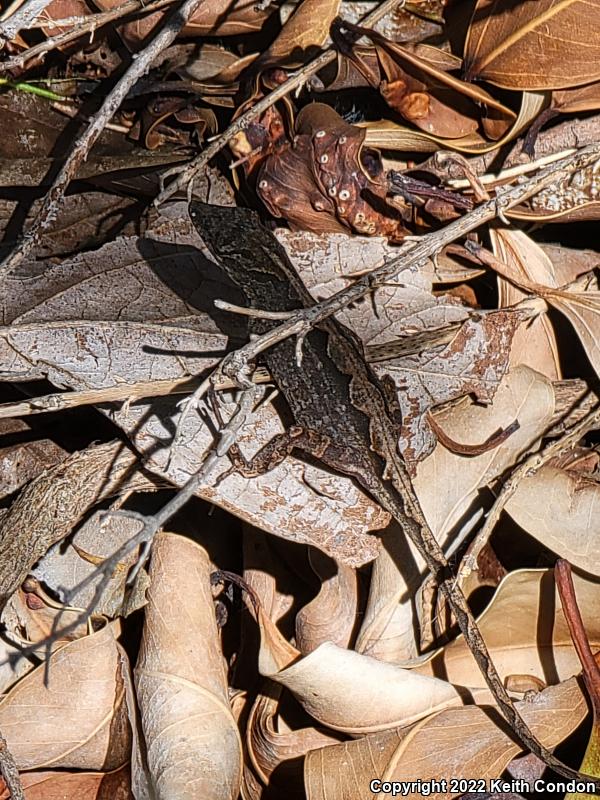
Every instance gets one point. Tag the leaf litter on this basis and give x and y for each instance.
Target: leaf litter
(284, 636)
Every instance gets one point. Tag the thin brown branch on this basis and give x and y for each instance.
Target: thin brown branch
(139, 66)
(526, 469)
(21, 18)
(412, 254)
(81, 26)
(591, 672)
(296, 81)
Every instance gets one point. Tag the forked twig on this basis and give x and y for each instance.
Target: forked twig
(297, 80)
(139, 65)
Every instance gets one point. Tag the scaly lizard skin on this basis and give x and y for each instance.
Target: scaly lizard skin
(342, 414)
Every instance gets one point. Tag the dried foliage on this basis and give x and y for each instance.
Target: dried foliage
(430, 174)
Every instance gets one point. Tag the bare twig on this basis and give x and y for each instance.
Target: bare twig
(20, 19)
(412, 254)
(296, 81)
(140, 65)
(128, 392)
(525, 470)
(152, 524)
(82, 25)
(9, 771)
(591, 672)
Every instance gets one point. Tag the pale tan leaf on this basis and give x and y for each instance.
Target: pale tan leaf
(77, 721)
(270, 744)
(548, 44)
(331, 616)
(389, 135)
(455, 743)
(350, 692)
(559, 508)
(582, 309)
(64, 567)
(70, 785)
(524, 395)
(535, 344)
(525, 631)
(191, 737)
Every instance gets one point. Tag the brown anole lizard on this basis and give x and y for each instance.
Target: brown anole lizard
(342, 414)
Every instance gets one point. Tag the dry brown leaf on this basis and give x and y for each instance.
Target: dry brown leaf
(451, 506)
(63, 568)
(270, 744)
(331, 616)
(456, 743)
(302, 34)
(558, 508)
(350, 692)
(80, 785)
(51, 505)
(389, 135)
(548, 44)
(77, 721)
(217, 18)
(534, 344)
(191, 738)
(24, 453)
(525, 631)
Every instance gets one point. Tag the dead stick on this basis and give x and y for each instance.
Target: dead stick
(189, 172)
(139, 66)
(82, 26)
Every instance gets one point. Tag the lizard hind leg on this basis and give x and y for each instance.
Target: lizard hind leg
(277, 450)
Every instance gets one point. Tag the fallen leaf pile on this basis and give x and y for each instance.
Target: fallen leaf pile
(279, 636)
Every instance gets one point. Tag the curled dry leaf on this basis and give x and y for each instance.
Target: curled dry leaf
(418, 85)
(534, 344)
(457, 742)
(388, 135)
(162, 324)
(191, 738)
(327, 181)
(350, 692)
(63, 568)
(558, 508)
(549, 44)
(387, 631)
(577, 302)
(524, 395)
(78, 719)
(525, 631)
(48, 508)
(31, 615)
(81, 785)
(331, 616)
(270, 744)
